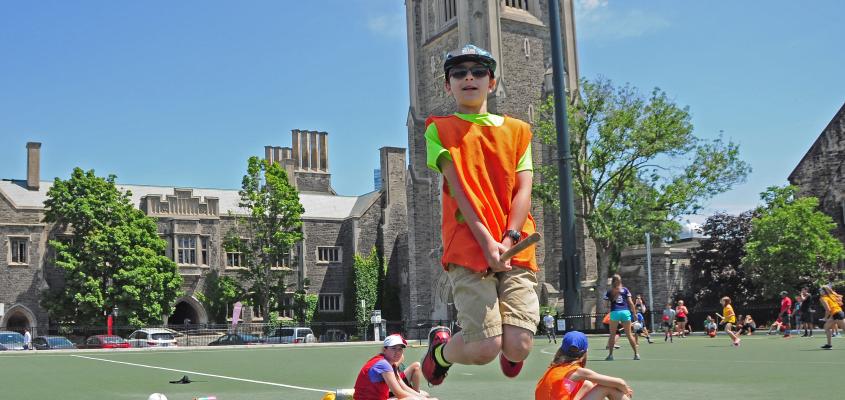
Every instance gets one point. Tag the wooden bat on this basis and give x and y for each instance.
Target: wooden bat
(523, 244)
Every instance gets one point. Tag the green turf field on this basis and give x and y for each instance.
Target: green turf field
(691, 368)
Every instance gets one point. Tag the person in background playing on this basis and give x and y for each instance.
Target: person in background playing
(640, 329)
(621, 311)
(748, 325)
(796, 312)
(549, 323)
(785, 312)
(833, 315)
(639, 304)
(681, 318)
(775, 327)
(710, 326)
(808, 312)
(729, 319)
(567, 378)
(668, 322)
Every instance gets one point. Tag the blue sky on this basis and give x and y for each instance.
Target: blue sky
(181, 93)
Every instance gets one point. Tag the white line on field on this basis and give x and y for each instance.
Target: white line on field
(204, 374)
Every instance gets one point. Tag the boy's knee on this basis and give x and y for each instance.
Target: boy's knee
(517, 351)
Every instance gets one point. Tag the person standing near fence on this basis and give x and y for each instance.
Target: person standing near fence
(668, 322)
(681, 318)
(785, 312)
(27, 339)
(808, 312)
(549, 322)
(622, 311)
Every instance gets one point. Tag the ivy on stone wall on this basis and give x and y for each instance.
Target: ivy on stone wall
(366, 287)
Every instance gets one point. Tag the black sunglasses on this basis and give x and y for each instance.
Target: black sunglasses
(461, 72)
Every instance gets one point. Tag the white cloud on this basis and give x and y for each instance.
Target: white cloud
(391, 26)
(596, 19)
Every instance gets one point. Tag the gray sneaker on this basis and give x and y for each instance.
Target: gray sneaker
(636, 356)
(609, 358)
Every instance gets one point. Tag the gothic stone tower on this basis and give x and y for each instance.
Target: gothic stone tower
(517, 33)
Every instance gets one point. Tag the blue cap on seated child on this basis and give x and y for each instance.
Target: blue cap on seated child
(574, 344)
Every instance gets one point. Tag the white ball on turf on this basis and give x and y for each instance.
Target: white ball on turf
(637, 326)
(157, 396)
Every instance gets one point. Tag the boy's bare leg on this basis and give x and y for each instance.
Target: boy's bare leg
(516, 343)
(475, 353)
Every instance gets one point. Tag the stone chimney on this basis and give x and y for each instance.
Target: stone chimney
(284, 157)
(310, 150)
(33, 165)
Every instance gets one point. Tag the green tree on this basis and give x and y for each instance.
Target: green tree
(366, 287)
(268, 233)
(220, 293)
(716, 266)
(112, 258)
(637, 166)
(790, 244)
(305, 305)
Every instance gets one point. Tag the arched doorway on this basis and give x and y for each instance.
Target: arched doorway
(18, 318)
(188, 308)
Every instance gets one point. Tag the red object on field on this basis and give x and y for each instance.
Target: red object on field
(109, 324)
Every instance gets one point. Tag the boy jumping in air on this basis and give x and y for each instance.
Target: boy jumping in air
(486, 163)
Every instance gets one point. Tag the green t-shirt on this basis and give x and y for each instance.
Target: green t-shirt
(435, 150)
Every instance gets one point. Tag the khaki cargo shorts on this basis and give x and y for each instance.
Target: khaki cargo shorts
(484, 304)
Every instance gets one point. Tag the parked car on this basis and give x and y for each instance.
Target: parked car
(236, 340)
(151, 337)
(105, 342)
(52, 343)
(11, 340)
(291, 335)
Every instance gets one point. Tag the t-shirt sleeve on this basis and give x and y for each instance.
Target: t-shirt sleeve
(377, 369)
(434, 147)
(526, 163)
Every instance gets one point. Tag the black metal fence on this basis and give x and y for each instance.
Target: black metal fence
(202, 334)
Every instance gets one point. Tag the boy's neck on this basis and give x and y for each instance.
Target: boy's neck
(465, 109)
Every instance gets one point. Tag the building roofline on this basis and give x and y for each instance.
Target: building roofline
(837, 116)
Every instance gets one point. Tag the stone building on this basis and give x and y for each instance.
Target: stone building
(670, 270)
(194, 222)
(821, 172)
(516, 32)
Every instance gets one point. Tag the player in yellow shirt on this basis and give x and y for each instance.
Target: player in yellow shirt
(729, 318)
(833, 315)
